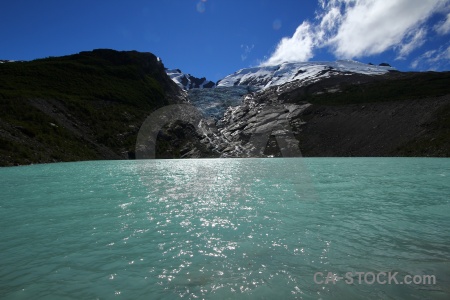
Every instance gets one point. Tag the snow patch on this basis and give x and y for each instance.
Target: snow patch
(187, 81)
(268, 76)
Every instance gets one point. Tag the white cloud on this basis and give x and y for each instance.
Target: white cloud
(328, 23)
(444, 26)
(297, 48)
(416, 39)
(433, 59)
(357, 28)
(247, 49)
(372, 27)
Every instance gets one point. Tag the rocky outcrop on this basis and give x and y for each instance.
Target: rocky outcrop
(261, 123)
(246, 128)
(187, 81)
(280, 121)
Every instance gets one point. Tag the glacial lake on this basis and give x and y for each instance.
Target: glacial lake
(227, 229)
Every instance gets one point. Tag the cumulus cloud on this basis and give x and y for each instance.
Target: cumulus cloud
(297, 48)
(357, 28)
(372, 27)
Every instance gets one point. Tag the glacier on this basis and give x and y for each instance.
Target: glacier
(250, 101)
(214, 102)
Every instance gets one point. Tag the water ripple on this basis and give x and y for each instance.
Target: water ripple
(236, 228)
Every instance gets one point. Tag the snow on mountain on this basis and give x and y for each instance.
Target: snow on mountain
(231, 91)
(307, 72)
(187, 81)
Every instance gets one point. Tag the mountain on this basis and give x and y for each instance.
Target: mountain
(394, 114)
(187, 81)
(92, 105)
(304, 72)
(342, 108)
(84, 106)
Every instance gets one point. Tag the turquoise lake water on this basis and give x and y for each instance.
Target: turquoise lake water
(225, 229)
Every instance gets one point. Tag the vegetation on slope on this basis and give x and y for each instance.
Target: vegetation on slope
(84, 106)
(434, 139)
(391, 87)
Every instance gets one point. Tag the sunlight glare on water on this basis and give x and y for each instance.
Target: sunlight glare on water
(223, 228)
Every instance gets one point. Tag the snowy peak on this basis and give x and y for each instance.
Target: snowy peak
(187, 81)
(308, 72)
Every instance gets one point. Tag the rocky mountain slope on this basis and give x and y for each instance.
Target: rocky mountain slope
(344, 113)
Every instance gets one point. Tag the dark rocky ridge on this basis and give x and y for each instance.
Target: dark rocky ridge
(399, 128)
(195, 83)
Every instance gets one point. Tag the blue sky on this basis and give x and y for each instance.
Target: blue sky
(214, 38)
